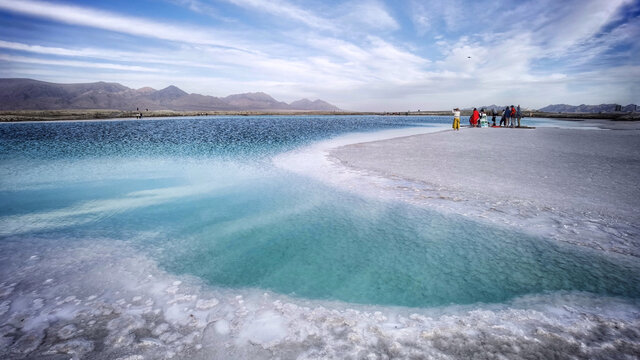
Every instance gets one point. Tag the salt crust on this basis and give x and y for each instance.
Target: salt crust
(103, 305)
(330, 162)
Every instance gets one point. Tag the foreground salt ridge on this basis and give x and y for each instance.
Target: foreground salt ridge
(88, 300)
(596, 229)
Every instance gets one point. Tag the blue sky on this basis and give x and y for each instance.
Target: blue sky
(359, 55)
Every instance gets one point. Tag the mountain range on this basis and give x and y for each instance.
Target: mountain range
(602, 108)
(29, 94)
(564, 108)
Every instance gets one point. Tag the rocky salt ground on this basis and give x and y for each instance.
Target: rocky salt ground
(88, 300)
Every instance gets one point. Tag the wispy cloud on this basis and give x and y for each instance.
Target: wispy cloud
(83, 16)
(285, 10)
(71, 63)
(370, 14)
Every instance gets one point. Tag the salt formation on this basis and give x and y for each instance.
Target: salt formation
(136, 311)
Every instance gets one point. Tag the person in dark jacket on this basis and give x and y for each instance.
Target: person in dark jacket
(505, 116)
(493, 116)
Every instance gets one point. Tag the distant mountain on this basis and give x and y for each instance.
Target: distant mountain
(306, 104)
(28, 94)
(605, 108)
(167, 94)
(258, 101)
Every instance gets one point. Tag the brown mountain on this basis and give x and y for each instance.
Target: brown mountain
(28, 94)
(306, 104)
(606, 108)
(258, 100)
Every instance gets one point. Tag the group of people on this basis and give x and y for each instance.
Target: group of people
(511, 117)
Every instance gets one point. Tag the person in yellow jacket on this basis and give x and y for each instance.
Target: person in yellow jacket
(456, 119)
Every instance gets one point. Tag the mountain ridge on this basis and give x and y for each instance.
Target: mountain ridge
(564, 108)
(30, 94)
(582, 108)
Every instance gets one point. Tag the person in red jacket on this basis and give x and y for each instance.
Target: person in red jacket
(473, 120)
(513, 116)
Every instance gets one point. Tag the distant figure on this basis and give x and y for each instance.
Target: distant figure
(483, 119)
(473, 119)
(518, 114)
(493, 117)
(456, 119)
(505, 116)
(513, 116)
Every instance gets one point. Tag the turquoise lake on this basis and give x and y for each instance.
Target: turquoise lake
(202, 197)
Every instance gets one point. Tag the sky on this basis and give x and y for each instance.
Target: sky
(361, 55)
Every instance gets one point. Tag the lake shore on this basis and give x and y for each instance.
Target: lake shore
(573, 185)
(106, 114)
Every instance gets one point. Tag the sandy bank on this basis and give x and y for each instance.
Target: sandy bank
(579, 186)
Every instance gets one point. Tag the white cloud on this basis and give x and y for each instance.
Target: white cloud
(83, 64)
(420, 16)
(83, 16)
(350, 16)
(370, 14)
(284, 9)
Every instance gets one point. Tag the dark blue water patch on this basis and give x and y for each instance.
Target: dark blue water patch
(229, 137)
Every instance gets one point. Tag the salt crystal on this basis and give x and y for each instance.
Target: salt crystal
(4, 306)
(38, 303)
(76, 347)
(28, 342)
(131, 357)
(206, 304)
(222, 327)
(160, 329)
(150, 342)
(67, 332)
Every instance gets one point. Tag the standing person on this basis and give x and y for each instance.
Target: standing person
(483, 119)
(505, 116)
(518, 114)
(456, 119)
(513, 116)
(475, 116)
(493, 116)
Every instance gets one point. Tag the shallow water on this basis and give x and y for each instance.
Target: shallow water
(201, 199)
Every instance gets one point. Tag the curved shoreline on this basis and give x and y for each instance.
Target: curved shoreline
(568, 184)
